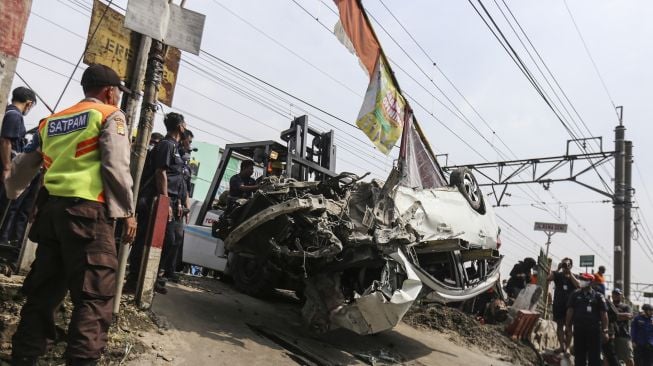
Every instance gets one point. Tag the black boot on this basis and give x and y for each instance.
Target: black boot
(23, 360)
(81, 362)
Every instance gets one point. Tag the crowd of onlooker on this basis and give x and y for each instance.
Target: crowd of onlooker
(604, 328)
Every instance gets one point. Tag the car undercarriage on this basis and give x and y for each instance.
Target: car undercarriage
(359, 253)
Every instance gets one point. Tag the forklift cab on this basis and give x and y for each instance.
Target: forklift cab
(307, 154)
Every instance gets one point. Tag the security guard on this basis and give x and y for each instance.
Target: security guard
(87, 185)
(641, 332)
(587, 315)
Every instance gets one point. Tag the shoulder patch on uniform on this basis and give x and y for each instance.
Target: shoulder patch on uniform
(62, 126)
(120, 126)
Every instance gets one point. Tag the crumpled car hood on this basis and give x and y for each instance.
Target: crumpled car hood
(374, 312)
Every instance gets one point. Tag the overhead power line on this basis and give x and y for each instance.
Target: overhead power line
(430, 113)
(553, 77)
(288, 49)
(355, 127)
(82, 55)
(505, 43)
(453, 85)
(589, 54)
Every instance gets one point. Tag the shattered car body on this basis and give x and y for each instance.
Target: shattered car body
(360, 253)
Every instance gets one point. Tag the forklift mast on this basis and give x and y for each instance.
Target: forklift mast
(303, 159)
(309, 155)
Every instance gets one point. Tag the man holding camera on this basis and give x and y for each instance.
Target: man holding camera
(565, 284)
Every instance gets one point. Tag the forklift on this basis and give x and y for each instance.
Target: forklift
(306, 155)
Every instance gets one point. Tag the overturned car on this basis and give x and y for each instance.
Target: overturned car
(359, 253)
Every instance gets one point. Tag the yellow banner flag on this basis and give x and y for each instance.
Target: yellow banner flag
(381, 117)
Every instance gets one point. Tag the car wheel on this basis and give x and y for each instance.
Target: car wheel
(252, 275)
(464, 180)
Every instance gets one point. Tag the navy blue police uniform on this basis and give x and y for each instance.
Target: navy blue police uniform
(587, 307)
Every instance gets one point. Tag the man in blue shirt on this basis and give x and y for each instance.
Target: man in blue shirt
(12, 142)
(641, 333)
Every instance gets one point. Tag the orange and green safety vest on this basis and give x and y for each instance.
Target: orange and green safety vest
(70, 148)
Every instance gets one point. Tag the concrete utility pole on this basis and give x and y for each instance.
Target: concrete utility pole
(628, 198)
(153, 76)
(618, 204)
(13, 21)
(135, 82)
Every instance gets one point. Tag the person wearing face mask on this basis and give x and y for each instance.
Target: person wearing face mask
(87, 185)
(641, 332)
(162, 175)
(12, 142)
(587, 317)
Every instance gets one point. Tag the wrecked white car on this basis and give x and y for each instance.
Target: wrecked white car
(362, 252)
(358, 253)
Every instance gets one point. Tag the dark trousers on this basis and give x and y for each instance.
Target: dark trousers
(172, 243)
(76, 252)
(143, 209)
(15, 223)
(643, 355)
(610, 353)
(587, 347)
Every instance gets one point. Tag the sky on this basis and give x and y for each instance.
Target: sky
(289, 44)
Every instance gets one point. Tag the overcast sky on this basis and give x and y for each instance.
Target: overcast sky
(287, 47)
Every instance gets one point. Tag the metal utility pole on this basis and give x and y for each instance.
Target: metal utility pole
(618, 204)
(153, 76)
(13, 20)
(628, 198)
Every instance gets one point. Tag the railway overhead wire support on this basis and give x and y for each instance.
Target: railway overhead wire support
(542, 170)
(547, 170)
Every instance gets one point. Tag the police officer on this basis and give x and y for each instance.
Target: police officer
(87, 185)
(162, 175)
(12, 142)
(587, 316)
(641, 332)
(185, 150)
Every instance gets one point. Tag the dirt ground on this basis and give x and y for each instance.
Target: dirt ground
(205, 321)
(126, 336)
(464, 329)
(228, 328)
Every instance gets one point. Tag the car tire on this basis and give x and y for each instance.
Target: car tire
(464, 180)
(252, 276)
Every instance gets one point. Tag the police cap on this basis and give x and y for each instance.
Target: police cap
(100, 75)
